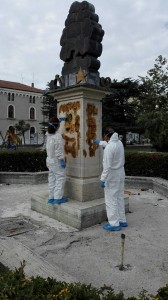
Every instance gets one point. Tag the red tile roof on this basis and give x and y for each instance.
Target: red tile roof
(18, 86)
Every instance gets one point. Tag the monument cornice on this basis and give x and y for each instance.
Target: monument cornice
(78, 89)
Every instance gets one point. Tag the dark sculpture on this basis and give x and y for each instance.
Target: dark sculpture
(81, 42)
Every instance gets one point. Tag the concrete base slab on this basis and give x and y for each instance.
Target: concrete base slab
(35, 265)
(93, 254)
(159, 185)
(77, 214)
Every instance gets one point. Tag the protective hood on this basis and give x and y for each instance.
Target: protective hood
(114, 137)
(113, 160)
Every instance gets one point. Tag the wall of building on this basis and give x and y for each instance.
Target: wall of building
(21, 103)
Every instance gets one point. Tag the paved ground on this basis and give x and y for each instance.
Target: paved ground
(93, 255)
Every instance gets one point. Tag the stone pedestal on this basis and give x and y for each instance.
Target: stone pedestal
(82, 107)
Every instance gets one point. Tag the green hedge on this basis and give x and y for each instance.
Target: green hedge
(151, 164)
(19, 161)
(15, 286)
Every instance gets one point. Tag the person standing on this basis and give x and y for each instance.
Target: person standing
(112, 180)
(55, 163)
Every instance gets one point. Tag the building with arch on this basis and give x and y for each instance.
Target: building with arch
(21, 102)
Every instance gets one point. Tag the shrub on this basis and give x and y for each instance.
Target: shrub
(163, 293)
(148, 164)
(18, 161)
(14, 285)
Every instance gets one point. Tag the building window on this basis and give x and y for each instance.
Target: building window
(33, 135)
(13, 96)
(32, 99)
(32, 132)
(11, 112)
(32, 113)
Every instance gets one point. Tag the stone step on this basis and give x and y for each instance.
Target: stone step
(76, 214)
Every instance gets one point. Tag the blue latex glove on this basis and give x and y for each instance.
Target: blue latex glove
(102, 184)
(97, 142)
(63, 163)
(61, 119)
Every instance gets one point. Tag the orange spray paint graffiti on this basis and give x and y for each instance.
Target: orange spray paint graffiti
(72, 127)
(91, 112)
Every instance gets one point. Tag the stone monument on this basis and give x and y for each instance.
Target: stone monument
(79, 100)
(79, 103)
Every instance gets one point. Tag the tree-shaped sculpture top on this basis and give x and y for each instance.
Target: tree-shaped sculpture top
(81, 45)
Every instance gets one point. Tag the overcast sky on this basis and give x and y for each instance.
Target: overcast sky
(136, 32)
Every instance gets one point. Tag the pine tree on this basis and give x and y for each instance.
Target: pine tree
(118, 112)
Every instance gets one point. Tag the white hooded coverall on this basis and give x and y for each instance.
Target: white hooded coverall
(114, 176)
(56, 176)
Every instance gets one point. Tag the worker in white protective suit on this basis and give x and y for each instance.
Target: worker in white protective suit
(55, 163)
(112, 180)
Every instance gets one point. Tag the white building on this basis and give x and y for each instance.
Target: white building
(21, 102)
